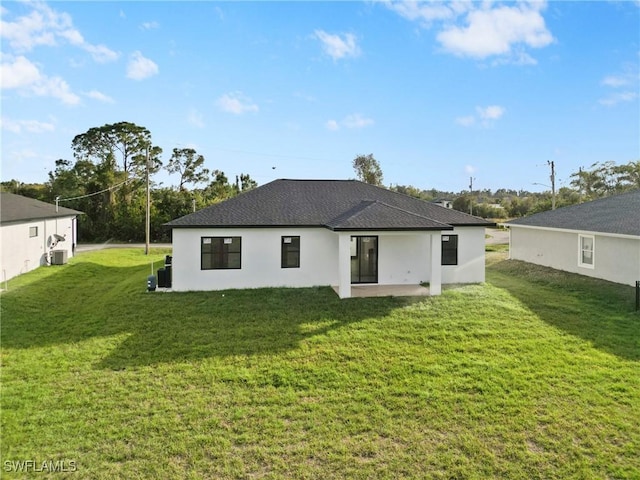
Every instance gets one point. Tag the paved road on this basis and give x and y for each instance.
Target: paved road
(88, 247)
(497, 236)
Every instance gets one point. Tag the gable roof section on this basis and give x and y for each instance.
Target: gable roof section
(334, 204)
(618, 214)
(370, 214)
(16, 208)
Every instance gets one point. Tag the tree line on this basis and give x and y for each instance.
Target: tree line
(599, 180)
(107, 180)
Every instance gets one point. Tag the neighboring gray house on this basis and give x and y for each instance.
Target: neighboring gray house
(30, 231)
(302, 233)
(600, 238)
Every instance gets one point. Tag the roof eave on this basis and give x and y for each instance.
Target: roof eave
(389, 229)
(484, 224)
(168, 225)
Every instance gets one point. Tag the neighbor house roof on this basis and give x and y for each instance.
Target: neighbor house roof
(334, 204)
(16, 208)
(619, 214)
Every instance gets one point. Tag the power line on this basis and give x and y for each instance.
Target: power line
(58, 199)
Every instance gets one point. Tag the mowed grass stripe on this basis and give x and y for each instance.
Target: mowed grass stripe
(531, 375)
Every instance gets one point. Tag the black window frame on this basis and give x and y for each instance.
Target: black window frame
(287, 248)
(217, 256)
(449, 249)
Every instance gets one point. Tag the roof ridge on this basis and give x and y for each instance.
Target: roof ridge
(350, 212)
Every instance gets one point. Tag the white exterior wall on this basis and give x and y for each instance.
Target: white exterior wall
(471, 267)
(616, 258)
(260, 259)
(403, 258)
(21, 253)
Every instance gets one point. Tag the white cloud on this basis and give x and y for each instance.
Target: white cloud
(337, 46)
(470, 169)
(96, 95)
(101, 54)
(195, 118)
(19, 73)
(56, 87)
(466, 121)
(492, 112)
(140, 67)
(485, 116)
(515, 58)
(31, 126)
(149, 25)
(332, 125)
(355, 120)
(482, 29)
(426, 12)
(615, 81)
(236, 103)
(495, 31)
(44, 26)
(625, 86)
(618, 97)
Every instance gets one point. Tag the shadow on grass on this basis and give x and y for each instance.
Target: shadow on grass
(88, 300)
(597, 311)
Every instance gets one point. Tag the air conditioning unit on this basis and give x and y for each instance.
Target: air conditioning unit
(58, 257)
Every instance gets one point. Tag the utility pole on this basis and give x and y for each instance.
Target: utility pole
(553, 184)
(148, 216)
(471, 179)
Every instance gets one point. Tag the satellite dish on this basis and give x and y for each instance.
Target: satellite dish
(53, 240)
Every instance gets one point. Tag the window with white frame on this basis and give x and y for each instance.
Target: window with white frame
(586, 253)
(33, 232)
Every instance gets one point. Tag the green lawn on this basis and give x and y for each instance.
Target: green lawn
(535, 374)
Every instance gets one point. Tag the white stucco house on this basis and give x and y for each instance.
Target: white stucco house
(600, 238)
(303, 233)
(30, 230)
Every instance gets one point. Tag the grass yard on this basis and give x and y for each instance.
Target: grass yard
(535, 374)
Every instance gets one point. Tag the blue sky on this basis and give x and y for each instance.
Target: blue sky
(436, 91)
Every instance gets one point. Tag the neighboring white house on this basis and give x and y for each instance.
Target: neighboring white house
(443, 202)
(303, 233)
(600, 238)
(30, 230)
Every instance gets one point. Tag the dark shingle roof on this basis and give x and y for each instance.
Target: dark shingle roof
(335, 204)
(619, 214)
(16, 208)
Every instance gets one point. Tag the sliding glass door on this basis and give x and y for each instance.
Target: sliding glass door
(364, 259)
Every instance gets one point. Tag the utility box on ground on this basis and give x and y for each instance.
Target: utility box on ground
(58, 257)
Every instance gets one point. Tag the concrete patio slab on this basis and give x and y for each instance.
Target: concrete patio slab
(374, 290)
